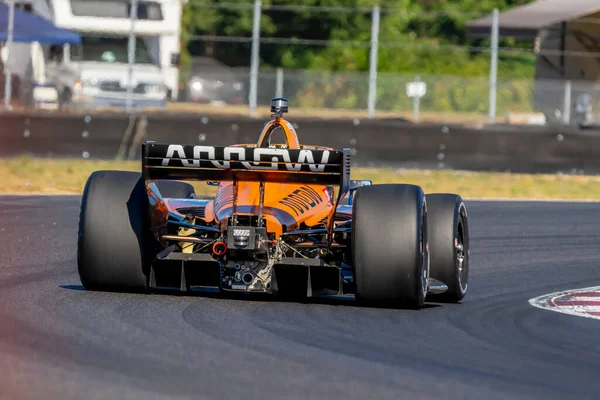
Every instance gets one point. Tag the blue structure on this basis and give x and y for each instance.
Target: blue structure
(32, 28)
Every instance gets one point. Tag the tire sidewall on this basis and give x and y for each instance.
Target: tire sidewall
(423, 268)
(461, 220)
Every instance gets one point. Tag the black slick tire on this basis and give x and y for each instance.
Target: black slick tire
(114, 244)
(389, 245)
(449, 244)
(175, 189)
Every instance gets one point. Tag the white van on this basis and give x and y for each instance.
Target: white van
(96, 72)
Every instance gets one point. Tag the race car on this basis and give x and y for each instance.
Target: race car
(286, 220)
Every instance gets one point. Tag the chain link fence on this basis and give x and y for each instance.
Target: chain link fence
(238, 69)
(447, 98)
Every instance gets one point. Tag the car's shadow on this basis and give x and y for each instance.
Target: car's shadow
(332, 300)
(72, 287)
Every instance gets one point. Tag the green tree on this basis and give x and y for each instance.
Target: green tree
(419, 32)
(417, 37)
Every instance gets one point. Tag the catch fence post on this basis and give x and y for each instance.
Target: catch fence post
(131, 49)
(279, 83)
(372, 100)
(494, 65)
(9, 41)
(416, 103)
(567, 104)
(254, 57)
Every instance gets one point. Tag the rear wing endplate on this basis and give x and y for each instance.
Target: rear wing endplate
(212, 163)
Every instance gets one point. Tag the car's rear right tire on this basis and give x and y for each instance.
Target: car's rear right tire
(450, 247)
(114, 249)
(389, 245)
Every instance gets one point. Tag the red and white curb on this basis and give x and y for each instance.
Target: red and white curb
(579, 302)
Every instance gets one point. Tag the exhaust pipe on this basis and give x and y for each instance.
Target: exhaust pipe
(247, 278)
(219, 249)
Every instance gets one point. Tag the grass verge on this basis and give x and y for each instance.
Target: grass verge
(28, 175)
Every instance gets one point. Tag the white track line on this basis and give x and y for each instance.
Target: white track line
(546, 301)
(582, 298)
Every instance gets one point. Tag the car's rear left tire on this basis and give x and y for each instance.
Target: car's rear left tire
(114, 249)
(389, 245)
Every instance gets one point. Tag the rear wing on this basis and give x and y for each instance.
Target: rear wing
(212, 163)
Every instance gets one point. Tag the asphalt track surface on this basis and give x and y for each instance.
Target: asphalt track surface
(58, 341)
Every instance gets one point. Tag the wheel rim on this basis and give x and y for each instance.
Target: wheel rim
(461, 257)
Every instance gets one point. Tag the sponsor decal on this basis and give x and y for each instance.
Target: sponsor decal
(578, 302)
(249, 158)
(238, 287)
(327, 196)
(241, 232)
(293, 130)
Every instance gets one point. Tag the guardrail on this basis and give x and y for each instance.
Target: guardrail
(392, 143)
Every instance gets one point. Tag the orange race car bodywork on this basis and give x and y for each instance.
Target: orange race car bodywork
(285, 198)
(286, 206)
